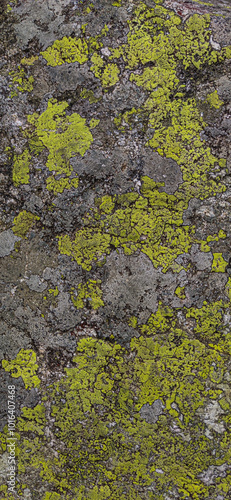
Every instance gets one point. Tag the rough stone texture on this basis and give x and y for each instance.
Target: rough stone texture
(7, 242)
(115, 248)
(151, 413)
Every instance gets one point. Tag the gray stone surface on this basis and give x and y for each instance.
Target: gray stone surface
(131, 286)
(151, 413)
(162, 169)
(7, 242)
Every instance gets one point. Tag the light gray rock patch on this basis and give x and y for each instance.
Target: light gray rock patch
(212, 415)
(151, 413)
(36, 283)
(7, 242)
(209, 476)
(202, 260)
(37, 20)
(224, 88)
(130, 286)
(162, 170)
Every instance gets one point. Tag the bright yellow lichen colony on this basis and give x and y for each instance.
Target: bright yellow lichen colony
(102, 448)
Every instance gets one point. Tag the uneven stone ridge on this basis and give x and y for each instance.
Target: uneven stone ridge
(115, 248)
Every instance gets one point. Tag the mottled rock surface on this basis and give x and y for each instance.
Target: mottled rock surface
(115, 248)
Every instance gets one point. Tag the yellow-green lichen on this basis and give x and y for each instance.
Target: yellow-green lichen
(87, 246)
(29, 61)
(89, 292)
(21, 168)
(95, 42)
(108, 74)
(209, 320)
(93, 123)
(66, 50)
(89, 94)
(32, 419)
(150, 222)
(58, 185)
(51, 496)
(4, 489)
(64, 136)
(54, 291)
(214, 100)
(215, 237)
(21, 81)
(23, 222)
(180, 292)
(158, 37)
(98, 420)
(133, 321)
(103, 447)
(219, 264)
(25, 366)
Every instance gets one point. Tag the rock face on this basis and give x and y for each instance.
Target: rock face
(115, 248)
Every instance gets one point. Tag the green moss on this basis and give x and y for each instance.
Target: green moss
(23, 222)
(64, 136)
(21, 168)
(219, 264)
(66, 50)
(88, 293)
(214, 101)
(25, 366)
